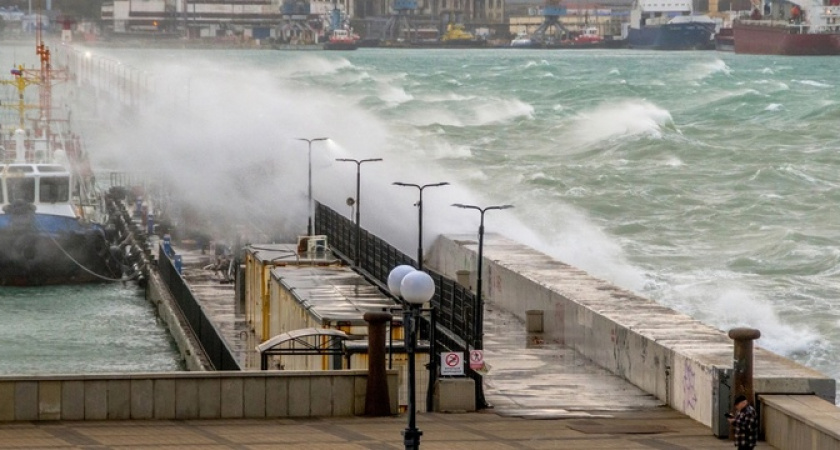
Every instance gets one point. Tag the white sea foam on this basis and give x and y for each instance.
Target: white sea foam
(813, 83)
(624, 119)
(774, 107)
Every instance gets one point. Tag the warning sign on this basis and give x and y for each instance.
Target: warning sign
(476, 359)
(451, 363)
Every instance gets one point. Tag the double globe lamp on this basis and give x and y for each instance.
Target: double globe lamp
(415, 287)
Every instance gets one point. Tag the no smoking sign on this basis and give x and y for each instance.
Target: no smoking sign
(451, 363)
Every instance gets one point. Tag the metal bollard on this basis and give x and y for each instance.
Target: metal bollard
(138, 207)
(150, 224)
(742, 379)
(377, 399)
(178, 264)
(167, 245)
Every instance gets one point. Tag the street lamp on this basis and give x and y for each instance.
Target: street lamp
(415, 287)
(358, 203)
(420, 216)
(310, 227)
(479, 305)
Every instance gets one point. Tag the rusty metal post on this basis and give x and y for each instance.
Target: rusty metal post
(377, 400)
(742, 378)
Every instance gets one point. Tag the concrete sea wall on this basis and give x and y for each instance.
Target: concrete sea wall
(187, 395)
(668, 354)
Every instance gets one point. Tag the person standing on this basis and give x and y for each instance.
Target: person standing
(745, 423)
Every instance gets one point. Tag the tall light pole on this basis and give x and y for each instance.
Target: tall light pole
(478, 326)
(310, 227)
(359, 163)
(415, 287)
(420, 216)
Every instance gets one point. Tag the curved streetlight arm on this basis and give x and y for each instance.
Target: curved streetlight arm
(420, 215)
(358, 201)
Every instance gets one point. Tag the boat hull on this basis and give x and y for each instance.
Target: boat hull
(767, 39)
(45, 250)
(341, 46)
(680, 36)
(725, 40)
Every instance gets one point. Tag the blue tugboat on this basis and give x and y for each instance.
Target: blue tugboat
(50, 213)
(669, 26)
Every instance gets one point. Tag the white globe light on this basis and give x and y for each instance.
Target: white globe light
(417, 287)
(396, 276)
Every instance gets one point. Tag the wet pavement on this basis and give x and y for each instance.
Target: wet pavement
(530, 376)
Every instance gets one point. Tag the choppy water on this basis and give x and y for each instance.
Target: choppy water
(81, 329)
(707, 181)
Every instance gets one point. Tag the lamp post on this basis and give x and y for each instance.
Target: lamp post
(420, 216)
(415, 287)
(359, 163)
(310, 227)
(479, 305)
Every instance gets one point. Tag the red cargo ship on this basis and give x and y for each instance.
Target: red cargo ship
(818, 33)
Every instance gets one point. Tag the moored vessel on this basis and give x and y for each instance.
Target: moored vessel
(669, 26)
(51, 218)
(812, 29)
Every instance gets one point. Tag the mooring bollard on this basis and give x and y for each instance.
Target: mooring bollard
(377, 399)
(178, 264)
(167, 245)
(742, 378)
(150, 224)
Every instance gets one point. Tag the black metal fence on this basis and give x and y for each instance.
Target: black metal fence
(454, 306)
(208, 335)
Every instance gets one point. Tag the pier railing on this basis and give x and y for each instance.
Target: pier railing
(205, 330)
(454, 306)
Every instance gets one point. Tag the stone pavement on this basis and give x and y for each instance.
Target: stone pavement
(652, 429)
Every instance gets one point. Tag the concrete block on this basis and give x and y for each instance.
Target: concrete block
(73, 400)
(343, 394)
(164, 399)
(360, 395)
(7, 401)
(209, 398)
(299, 398)
(454, 395)
(119, 399)
(142, 399)
(321, 394)
(186, 398)
(232, 407)
(26, 400)
(49, 400)
(394, 391)
(254, 398)
(534, 321)
(96, 400)
(276, 397)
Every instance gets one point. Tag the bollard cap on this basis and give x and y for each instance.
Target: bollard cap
(377, 316)
(744, 334)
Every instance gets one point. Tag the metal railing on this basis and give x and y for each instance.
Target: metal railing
(208, 335)
(454, 306)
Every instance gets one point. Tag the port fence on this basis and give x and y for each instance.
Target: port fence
(451, 324)
(208, 335)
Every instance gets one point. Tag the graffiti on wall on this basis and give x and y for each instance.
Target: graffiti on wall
(689, 392)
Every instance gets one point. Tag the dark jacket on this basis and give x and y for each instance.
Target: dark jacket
(746, 428)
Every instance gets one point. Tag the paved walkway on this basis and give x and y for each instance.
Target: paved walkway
(661, 429)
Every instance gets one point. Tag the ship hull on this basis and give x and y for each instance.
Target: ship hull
(681, 36)
(760, 39)
(45, 250)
